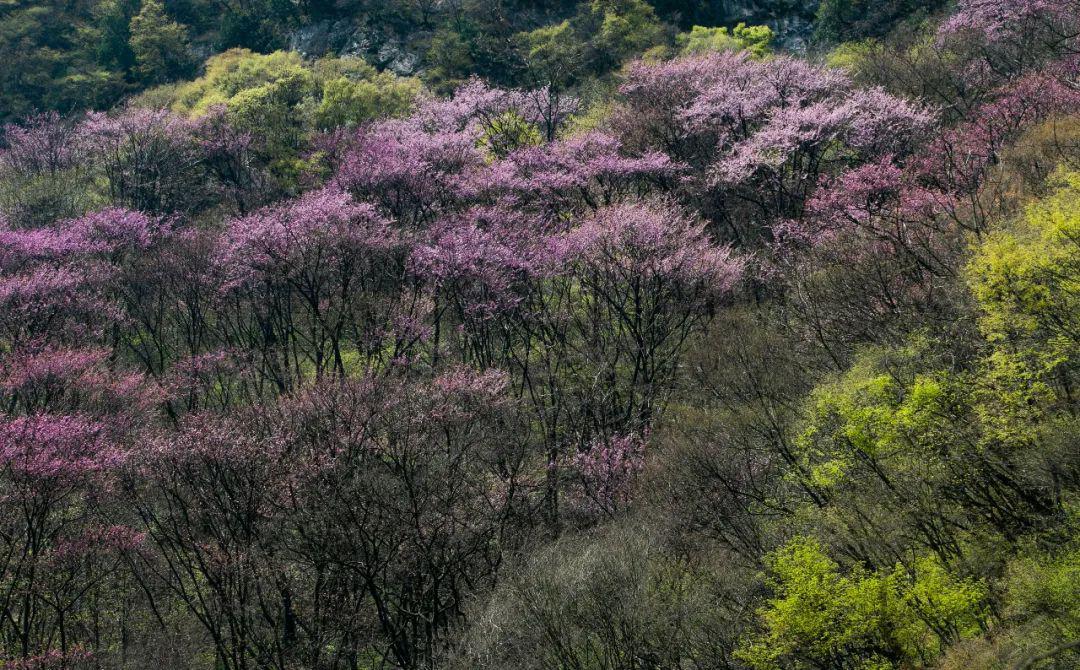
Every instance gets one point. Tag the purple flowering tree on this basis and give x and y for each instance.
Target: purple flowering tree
(70, 417)
(350, 516)
(44, 172)
(759, 134)
(309, 286)
(152, 160)
(1010, 36)
(608, 470)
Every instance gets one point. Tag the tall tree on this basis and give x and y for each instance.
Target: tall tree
(160, 45)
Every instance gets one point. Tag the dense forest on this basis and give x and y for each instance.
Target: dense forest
(506, 335)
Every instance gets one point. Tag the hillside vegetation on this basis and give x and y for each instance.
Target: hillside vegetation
(609, 336)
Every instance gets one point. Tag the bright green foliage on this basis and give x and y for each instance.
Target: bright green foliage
(282, 96)
(626, 28)
(1046, 587)
(699, 40)
(894, 411)
(850, 55)
(332, 91)
(269, 108)
(1011, 397)
(261, 93)
(354, 92)
(236, 71)
(595, 117)
(901, 451)
(907, 451)
(553, 54)
(507, 132)
(881, 410)
(1049, 587)
(865, 620)
(158, 44)
(1027, 280)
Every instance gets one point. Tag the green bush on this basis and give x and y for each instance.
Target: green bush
(755, 39)
(820, 616)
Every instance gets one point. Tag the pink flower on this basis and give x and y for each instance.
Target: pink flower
(57, 449)
(41, 144)
(54, 659)
(318, 232)
(1000, 20)
(608, 470)
(646, 242)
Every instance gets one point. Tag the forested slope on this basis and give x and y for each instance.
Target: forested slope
(611, 339)
(69, 56)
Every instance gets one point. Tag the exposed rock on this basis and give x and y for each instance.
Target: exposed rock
(392, 56)
(320, 38)
(346, 38)
(361, 42)
(791, 20)
(793, 33)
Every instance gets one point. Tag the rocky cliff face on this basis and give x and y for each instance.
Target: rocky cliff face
(791, 20)
(346, 38)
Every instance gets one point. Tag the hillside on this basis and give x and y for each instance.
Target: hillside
(69, 56)
(487, 335)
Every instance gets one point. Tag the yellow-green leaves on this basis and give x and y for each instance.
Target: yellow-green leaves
(851, 56)
(889, 618)
(1047, 587)
(323, 94)
(700, 40)
(1011, 395)
(508, 132)
(348, 101)
(1027, 278)
(627, 27)
(892, 414)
